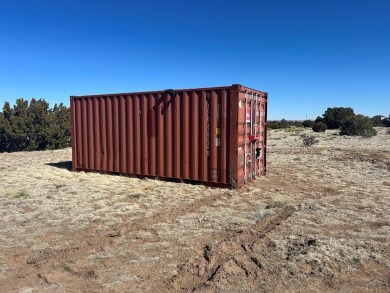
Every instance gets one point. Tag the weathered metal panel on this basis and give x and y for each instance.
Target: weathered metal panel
(212, 135)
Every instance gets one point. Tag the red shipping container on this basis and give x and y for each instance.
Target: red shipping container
(215, 136)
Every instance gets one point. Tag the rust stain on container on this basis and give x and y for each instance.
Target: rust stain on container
(214, 135)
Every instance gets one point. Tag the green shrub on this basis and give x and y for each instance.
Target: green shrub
(358, 125)
(386, 122)
(308, 123)
(319, 127)
(298, 124)
(282, 124)
(378, 122)
(278, 124)
(34, 126)
(273, 125)
(335, 117)
(319, 119)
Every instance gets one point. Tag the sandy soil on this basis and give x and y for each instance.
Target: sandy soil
(318, 222)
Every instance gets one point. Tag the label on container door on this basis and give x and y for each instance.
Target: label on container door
(248, 115)
(241, 160)
(217, 142)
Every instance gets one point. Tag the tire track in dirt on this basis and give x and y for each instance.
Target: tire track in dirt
(50, 265)
(238, 256)
(169, 216)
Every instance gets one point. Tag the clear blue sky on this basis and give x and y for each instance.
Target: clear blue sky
(308, 55)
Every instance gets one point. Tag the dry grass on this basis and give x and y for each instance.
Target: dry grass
(69, 232)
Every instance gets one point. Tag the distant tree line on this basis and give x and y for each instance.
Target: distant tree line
(33, 125)
(340, 118)
(283, 124)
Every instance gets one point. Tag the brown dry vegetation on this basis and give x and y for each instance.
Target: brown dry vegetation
(318, 222)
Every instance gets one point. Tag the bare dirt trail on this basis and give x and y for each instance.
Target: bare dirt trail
(235, 261)
(318, 222)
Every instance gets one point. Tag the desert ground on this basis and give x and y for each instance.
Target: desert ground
(319, 221)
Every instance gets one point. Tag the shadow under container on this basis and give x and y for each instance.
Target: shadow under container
(215, 136)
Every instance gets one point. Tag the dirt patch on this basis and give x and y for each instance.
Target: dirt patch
(237, 259)
(381, 159)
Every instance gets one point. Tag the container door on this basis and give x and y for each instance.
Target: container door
(251, 135)
(245, 150)
(263, 134)
(257, 135)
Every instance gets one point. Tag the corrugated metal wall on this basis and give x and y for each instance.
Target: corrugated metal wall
(185, 134)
